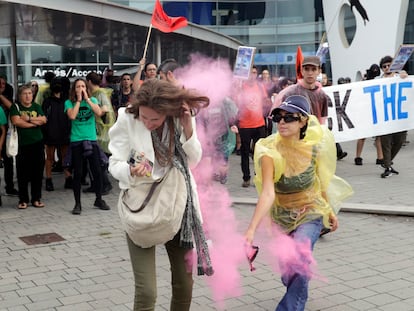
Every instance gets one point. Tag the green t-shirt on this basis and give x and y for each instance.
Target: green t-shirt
(28, 136)
(3, 118)
(83, 127)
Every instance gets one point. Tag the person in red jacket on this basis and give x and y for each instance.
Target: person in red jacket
(254, 104)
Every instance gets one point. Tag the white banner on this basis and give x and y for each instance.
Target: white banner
(370, 108)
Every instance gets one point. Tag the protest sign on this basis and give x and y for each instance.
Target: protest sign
(244, 61)
(401, 57)
(370, 108)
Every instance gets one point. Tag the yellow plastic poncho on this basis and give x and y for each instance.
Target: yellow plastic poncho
(304, 175)
(102, 127)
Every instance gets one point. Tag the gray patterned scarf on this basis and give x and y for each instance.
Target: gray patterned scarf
(191, 225)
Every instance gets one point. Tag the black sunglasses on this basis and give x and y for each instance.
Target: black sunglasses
(288, 118)
(386, 66)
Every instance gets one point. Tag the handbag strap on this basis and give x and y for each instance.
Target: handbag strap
(10, 122)
(149, 195)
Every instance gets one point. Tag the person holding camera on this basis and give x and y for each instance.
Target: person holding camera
(159, 125)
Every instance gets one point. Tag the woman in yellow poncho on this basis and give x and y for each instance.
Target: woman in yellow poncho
(296, 184)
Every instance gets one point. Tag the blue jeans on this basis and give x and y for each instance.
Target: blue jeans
(297, 285)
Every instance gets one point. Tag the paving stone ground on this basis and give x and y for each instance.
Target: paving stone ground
(368, 262)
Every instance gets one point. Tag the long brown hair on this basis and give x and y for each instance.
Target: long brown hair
(167, 99)
(72, 93)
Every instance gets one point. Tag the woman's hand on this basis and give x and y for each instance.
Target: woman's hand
(104, 109)
(85, 94)
(249, 236)
(185, 120)
(139, 170)
(78, 95)
(333, 221)
(403, 74)
(142, 63)
(234, 129)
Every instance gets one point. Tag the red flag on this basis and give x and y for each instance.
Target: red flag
(299, 60)
(165, 23)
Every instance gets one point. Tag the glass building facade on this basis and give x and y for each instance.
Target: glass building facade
(50, 36)
(70, 38)
(275, 27)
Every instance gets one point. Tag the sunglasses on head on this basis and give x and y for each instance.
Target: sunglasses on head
(288, 118)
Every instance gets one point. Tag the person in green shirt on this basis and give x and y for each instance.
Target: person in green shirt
(3, 123)
(6, 100)
(28, 117)
(82, 110)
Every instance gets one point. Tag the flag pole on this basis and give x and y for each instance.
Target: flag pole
(323, 38)
(147, 41)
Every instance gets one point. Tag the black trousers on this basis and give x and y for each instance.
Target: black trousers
(8, 169)
(30, 163)
(247, 137)
(77, 166)
(391, 145)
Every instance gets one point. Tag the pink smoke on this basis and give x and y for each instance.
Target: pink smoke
(212, 77)
(285, 255)
(227, 252)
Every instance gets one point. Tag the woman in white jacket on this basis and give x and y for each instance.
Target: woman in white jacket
(158, 129)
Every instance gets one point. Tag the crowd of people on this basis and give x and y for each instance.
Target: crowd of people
(87, 130)
(63, 120)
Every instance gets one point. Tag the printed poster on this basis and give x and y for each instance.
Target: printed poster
(244, 61)
(401, 57)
